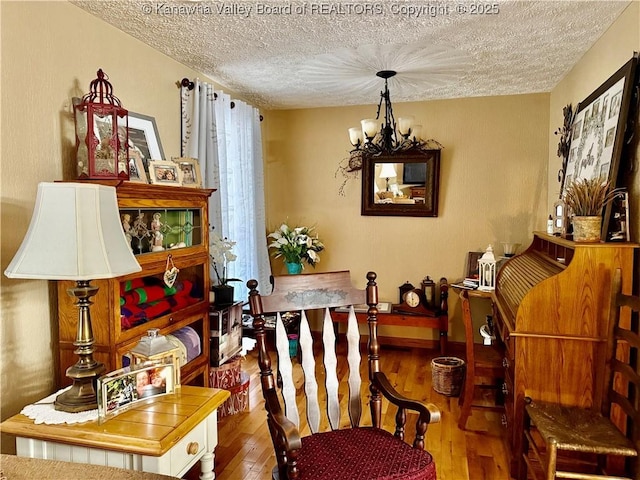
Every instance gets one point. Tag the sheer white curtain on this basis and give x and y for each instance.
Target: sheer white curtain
(228, 144)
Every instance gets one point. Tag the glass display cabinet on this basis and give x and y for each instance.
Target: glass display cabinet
(167, 228)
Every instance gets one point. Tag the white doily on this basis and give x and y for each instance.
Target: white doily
(44, 412)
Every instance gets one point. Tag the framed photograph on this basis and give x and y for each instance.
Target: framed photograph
(143, 137)
(190, 168)
(121, 389)
(598, 134)
(137, 173)
(165, 173)
(619, 231)
(472, 264)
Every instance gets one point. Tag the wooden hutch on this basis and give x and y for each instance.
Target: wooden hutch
(185, 244)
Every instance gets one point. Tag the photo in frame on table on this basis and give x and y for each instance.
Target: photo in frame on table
(619, 231)
(472, 264)
(137, 172)
(121, 389)
(165, 173)
(190, 168)
(144, 138)
(598, 135)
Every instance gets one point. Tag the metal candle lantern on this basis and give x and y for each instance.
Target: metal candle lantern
(157, 348)
(487, 270)
(102, 135)
(429, 289)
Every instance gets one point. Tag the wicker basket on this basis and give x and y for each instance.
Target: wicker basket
(447, 375)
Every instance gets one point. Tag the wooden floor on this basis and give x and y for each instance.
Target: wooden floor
(245, 450)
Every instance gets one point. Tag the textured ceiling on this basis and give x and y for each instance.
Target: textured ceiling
(326, 53)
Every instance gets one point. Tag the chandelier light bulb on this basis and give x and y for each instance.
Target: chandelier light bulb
(416, 132)
(404, 125)
(369, 127)
(355, 136)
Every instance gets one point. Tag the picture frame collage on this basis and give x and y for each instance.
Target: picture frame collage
(598, 139)
(147, 162)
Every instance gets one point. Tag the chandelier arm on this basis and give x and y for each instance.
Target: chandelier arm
(380, 105)
(389, 117)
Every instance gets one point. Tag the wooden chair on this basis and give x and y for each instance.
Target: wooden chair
(484, 369)
(345, 450)
(611, 427)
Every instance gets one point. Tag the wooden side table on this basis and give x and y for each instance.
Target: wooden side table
(439, 321)
(165, 435)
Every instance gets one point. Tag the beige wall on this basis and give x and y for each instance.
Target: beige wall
(50, 53)
(492, 188)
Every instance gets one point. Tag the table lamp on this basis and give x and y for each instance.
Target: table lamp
(75, 234)
(388, 171)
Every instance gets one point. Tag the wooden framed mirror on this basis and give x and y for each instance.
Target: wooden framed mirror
(403, 184)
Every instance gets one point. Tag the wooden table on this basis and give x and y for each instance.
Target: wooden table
(165, 435)
(474, 293)
(401, 319)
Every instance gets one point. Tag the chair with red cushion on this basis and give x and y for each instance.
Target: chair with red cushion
(331, 446)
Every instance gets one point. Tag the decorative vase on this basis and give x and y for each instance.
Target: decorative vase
(293, 268)
(223, 295)
(586, 229)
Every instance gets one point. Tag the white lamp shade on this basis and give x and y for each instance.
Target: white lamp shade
(355, 136)
(388, 170)
(416, 132)
(369, 127)
(74, 234)
(405, 124)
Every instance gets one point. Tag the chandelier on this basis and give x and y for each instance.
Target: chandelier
(375, 139)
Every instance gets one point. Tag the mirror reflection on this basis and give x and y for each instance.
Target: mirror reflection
(404, 184)
(399, 183)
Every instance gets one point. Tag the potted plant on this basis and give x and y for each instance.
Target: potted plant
(585, 199)
(220, 254)
(296, 245)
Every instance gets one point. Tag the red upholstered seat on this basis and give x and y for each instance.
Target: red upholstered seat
(373, 454)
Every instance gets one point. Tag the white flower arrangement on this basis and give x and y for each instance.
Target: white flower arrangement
(220, 255)
(296, 245)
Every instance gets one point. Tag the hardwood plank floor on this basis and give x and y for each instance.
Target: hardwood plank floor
(245, 451)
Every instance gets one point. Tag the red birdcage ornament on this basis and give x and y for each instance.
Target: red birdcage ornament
(102, 133)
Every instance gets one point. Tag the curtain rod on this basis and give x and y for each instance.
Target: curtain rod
(186, 83)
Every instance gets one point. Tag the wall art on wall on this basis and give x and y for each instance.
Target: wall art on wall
(598, 133)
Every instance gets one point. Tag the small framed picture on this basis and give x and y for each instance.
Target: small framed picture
(619, 228)
(121, 389)
(165, 173)
(137, 172)
(190, 168)
(472, 264)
